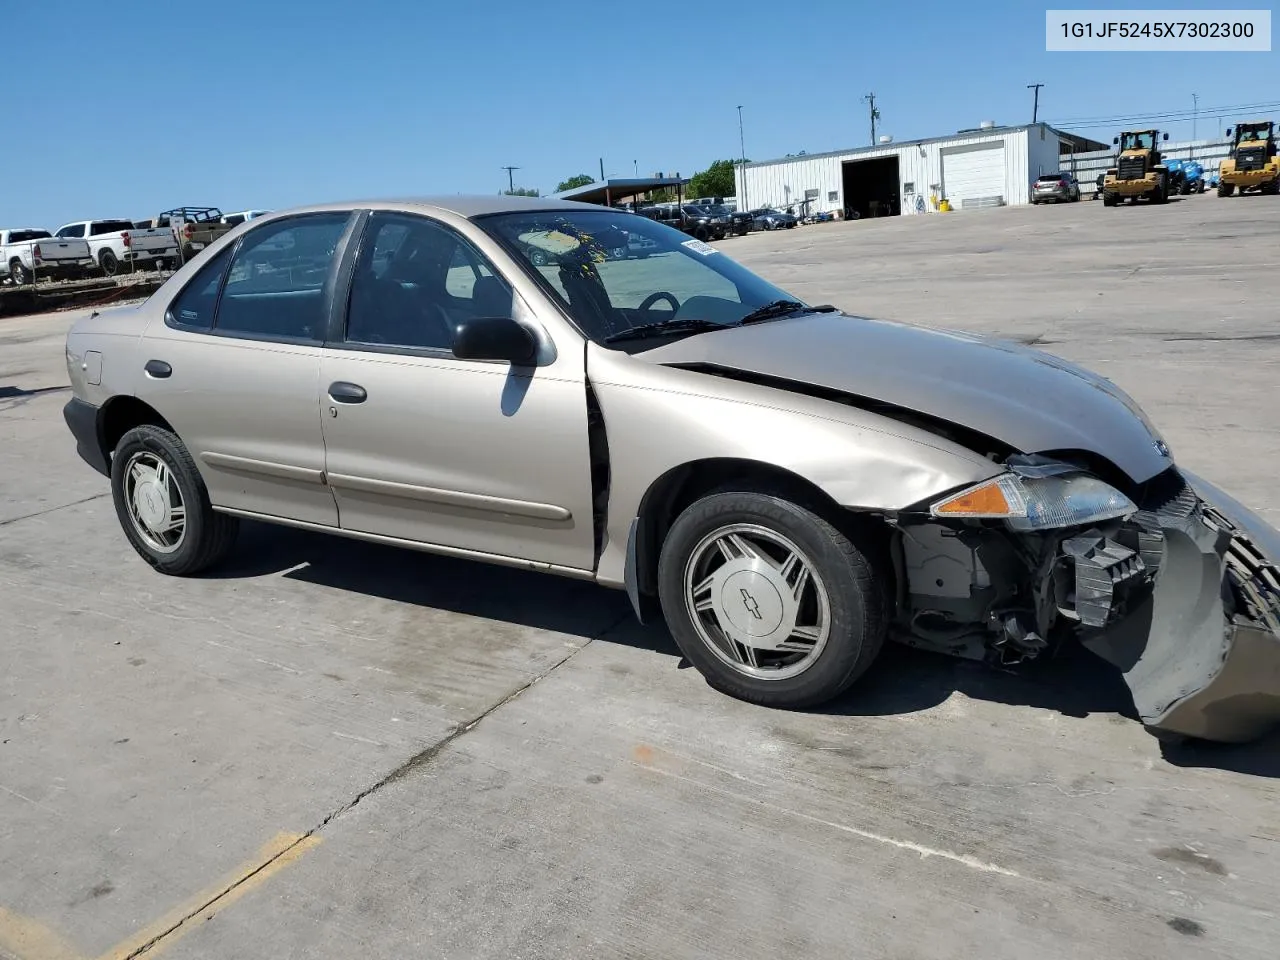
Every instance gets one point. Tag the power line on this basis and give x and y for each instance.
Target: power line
(1168, 114)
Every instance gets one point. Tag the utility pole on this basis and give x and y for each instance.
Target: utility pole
(1035, 105)
(511, 183)
(602, 169)
(1195, 115)
(742, 152)
(870, 99)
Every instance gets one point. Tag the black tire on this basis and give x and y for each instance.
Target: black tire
(207, 536)
(1226, 189)
(1109, 199)
(109, 264)
(857, 597)
(18, 273)
(701, 233)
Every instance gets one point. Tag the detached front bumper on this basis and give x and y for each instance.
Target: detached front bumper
(1201, 650)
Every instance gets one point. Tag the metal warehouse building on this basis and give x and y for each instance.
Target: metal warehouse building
(985, 166)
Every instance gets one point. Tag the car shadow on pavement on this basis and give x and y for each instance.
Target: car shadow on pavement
(903, 680)
(468, 587)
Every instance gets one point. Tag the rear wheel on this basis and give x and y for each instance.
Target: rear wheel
(108, 262)
(163, 505)
(1226, 189)
(769, 601)
(1109, 199)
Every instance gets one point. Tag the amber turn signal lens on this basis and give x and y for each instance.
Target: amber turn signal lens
(995, 498)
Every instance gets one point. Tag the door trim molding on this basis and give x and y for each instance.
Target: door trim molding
(461, 553)
(284, 471)
(452, 498)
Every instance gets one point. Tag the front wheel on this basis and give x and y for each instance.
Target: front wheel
(163, 505)
(769, 601)
(19, 273)
(1226, 189)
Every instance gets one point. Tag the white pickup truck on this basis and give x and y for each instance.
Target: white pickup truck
(29, 253)
(113, 242)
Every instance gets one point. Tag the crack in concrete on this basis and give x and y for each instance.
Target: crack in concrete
(61, 506)
(399, 773)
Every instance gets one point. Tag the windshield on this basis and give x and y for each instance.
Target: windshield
(1138, 141)
(1248, 135)
(615, 271)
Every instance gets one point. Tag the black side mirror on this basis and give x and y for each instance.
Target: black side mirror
(1115, 140)
(1228, 131)
(1166, 136)
(494, 338)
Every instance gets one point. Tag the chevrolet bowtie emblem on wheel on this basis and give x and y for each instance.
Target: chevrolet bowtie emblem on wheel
(749, 602)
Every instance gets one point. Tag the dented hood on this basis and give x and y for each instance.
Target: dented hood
(1025, 398)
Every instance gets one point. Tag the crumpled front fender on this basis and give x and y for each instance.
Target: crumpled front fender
(1201, 654)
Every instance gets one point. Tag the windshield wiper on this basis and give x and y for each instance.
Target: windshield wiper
(783, 308)
(658, 327)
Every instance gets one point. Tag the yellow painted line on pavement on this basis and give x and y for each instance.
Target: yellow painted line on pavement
(26, 939)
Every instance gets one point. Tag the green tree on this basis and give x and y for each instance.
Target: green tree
(522, 192)
(579, 180)
(715, 181)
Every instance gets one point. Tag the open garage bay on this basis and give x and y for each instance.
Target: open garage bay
(333, 749)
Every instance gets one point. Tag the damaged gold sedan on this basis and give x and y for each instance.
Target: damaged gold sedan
(586, 392)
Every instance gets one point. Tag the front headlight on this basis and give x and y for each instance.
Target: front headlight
(1038, 503)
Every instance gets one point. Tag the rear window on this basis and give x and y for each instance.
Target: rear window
(1048, 177)
(100, 227)
(24, 236)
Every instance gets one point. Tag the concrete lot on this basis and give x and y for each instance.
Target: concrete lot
(331, 749)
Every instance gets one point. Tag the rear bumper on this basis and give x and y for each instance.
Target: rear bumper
(82, 421)
(1130, 188)
(1251, 178)
(1201, 652)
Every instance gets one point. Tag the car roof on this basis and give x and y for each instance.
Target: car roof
(462, 205)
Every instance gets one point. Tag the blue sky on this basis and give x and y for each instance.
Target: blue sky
(139, 107)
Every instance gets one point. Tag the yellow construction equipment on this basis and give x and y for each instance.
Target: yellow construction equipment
(1139, 171)
(1252, 163)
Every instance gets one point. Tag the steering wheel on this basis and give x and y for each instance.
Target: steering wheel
(651, 299)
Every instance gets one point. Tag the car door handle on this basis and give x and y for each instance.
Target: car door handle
(343, 392)
(158, 369)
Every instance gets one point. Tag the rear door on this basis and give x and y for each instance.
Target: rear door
(235, 366)
(478, 456)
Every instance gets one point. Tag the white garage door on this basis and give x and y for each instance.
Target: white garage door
(973, 172)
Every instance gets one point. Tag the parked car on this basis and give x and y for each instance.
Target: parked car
(766, 218)
(30, 253)
(739, 224)
(789, 485)
(116, 242)
(194, 227)
(1058, 187)
(695, 221)
(235, 219)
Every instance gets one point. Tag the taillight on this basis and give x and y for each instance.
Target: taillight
(36, 252)
(125, 237)
(1062, 183)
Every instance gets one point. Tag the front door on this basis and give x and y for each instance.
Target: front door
(425, 447)
(235, 365)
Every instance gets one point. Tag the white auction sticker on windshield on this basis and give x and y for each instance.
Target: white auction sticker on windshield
(697, 246)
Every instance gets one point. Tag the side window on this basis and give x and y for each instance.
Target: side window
(195, 305)
(275, 287)
(414, 280)
(74, 230)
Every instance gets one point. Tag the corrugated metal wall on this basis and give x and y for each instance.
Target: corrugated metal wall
(919, 167)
